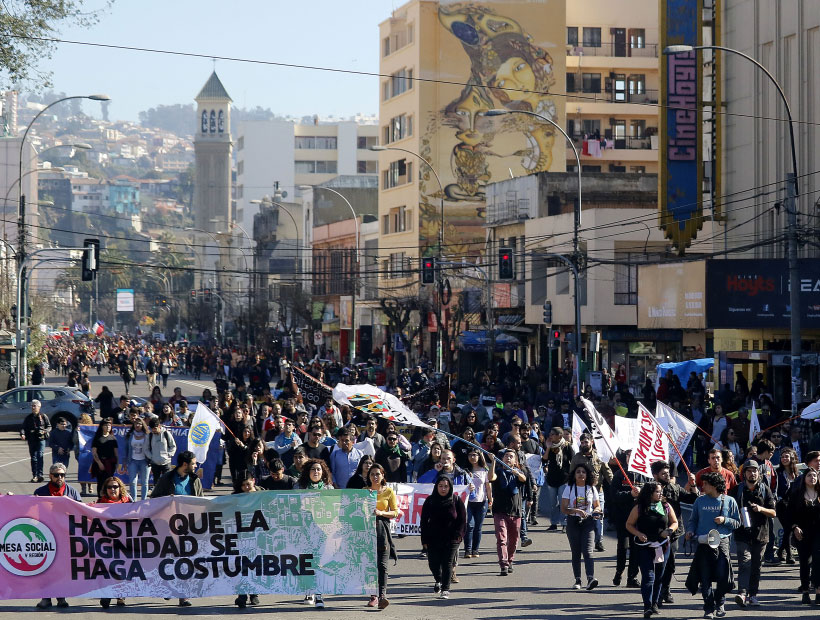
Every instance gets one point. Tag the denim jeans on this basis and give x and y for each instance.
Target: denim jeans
(475, 518)
(651, 574)
(138, 469)
(581, 534)
(552, 504)
(36, 450)
(599, 523)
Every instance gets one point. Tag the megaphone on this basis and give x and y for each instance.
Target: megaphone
(712, 539)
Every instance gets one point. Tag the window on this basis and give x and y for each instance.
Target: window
(399, 127)
(637, 169)
(637, 38)
(570, 82)
(367, 167)
(399, 217)
(240, 167)
(615, 168)
(591, 127)
(637, 128)
(626, 279)
(398, 266)
(240, 143)
(397, 40)
(399, 82)
(590, 168)
(316, 142)
(592, 82)
(572, 36)
(592, 37)
(399, 173)
(240, 191)
(637, 84)
(385, 224)
(315, 167)
(619, 88)
(364, 143)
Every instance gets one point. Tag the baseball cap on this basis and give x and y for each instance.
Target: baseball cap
(751, 464)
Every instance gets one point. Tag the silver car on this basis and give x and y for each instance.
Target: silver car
(57, 402)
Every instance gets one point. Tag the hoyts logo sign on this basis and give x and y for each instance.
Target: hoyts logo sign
(27, 547)
(749, 285)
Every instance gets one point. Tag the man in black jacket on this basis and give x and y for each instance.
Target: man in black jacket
(557, 459)
(393, 459)
(35, 431)
(674, 494)
(623, 492)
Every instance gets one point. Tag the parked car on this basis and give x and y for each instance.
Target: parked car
(56, 402)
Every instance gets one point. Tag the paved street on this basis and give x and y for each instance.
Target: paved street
(538, 589)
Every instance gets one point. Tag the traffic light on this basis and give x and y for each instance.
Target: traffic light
(428, 270)
(164, 301)
(207, 294)
(91, 259)
(547, 312)
(193, 294)
(505, 264)
(555, 339)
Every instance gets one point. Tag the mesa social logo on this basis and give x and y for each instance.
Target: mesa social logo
(27, 547)
(200, 433)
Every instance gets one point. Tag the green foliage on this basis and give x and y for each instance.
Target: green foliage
(24, 26)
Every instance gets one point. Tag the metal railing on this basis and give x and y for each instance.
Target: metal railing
(629, 143)
(508, 211)
(646, 96)
(618, 50)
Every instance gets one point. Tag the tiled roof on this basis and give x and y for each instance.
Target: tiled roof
(213, 89)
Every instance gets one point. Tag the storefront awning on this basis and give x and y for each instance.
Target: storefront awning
(476, 341)
(331, 326)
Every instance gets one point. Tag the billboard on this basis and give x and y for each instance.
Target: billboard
(509, 55)
(681, 173)
(672, 296)
(125, 300)
(754, 293)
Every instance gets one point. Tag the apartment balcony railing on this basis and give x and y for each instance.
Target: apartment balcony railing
(617, 50)
(645, 96)
(630, 143)
(508, 211)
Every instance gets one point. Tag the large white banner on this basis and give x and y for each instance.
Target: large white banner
(680, 428)
(376, 402)
(411, 499)
(651, 445)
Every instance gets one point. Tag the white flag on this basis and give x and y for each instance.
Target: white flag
(754, 424)
(578, 428)
(680, 428)
(627, 431)
(203, 428)
(606, 443)
(651, 444)
(812, 412)
(373, 401)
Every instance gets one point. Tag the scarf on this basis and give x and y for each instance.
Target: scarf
(56, 491)
(558, 451)
(442, 500)
(316, 485)
(658, 507)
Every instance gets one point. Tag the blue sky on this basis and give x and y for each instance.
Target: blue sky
(332, 33)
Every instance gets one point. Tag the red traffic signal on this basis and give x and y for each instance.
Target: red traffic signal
(428, 271)
(505, 264)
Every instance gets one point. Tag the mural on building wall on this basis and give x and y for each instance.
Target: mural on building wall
(503, 66)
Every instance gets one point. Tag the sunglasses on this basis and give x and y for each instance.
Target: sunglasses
(392, 439)
(115, 487)
(60, 475)
(317, 435)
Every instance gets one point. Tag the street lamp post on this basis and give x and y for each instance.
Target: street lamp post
(21, 214)
(358, 267)
(791, 212)
(575, 229)
(440, 277)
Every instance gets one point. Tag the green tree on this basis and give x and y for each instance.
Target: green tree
(26, 26)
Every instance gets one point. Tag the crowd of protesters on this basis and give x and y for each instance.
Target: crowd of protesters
(507, 437)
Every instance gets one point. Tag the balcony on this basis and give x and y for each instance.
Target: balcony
(626, 143)
(615, 50)
(646, 96)
(508, 211)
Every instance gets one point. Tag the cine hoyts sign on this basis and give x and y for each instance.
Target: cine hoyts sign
(756, 293)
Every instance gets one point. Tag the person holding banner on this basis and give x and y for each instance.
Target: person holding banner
(246, 484)
(160, 449)
(105, 453)
(582, 506)
(713, 512)
(556, 459)
(443, 522)
(315, 477)
(652, 522)
(359, 479)
(480, 497)
(113, 492)
(386, 509)
(136, 465)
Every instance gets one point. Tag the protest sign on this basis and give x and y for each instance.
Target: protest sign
(410, 499)
(277, 542)
(651, 445)
(313, 391)
(85, 435)
(627, 431)
(680, 428)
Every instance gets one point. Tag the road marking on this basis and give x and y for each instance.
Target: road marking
(15, 462)
(195, 384)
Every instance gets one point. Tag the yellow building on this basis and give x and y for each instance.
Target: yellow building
(447, 64)
(612, 84)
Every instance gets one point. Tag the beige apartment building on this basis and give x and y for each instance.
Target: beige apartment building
(613, 85)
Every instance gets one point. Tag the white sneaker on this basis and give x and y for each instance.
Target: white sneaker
(319, 602)
(577, 585)
(753, 601)
(444, 594)
(309, 600)
(720, 612)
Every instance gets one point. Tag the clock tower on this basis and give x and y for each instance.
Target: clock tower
(212, 149)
